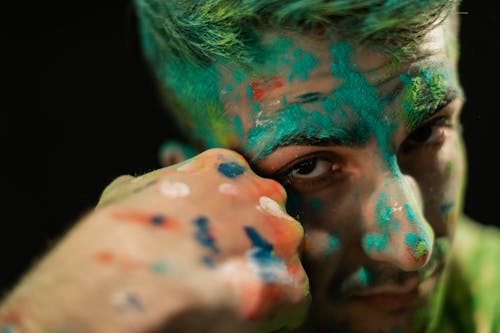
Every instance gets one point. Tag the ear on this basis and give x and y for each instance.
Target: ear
(173, 152)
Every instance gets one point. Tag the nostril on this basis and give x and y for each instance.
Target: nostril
(418, 247)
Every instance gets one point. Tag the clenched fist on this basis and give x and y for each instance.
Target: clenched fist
(201, 246)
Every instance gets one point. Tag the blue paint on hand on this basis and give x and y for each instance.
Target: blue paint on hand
(231, 169)
(158, 219)
(203, 234)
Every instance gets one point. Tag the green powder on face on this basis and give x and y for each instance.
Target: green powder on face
(417, 243)
(422, 94)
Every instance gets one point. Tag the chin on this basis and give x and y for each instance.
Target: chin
(389, 311)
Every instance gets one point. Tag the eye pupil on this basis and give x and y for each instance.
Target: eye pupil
(422, 134)
(305, 167)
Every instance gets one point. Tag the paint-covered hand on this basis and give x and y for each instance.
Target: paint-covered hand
(201, 246)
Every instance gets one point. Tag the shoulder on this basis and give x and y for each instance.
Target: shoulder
(474, 277)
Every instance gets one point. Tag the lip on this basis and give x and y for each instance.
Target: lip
(389, 297)
(388, 301)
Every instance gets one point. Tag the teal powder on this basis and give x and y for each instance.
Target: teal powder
(365, 276)
(303, 63)
(377, 242)
(315, 205)
(159, 267)
(333, 245)
(249, 91)
(8, 329)
(410, 214)
(238, 127)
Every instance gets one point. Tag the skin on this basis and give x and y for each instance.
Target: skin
(134, 264)
(370, 152)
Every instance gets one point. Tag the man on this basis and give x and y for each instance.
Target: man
(353, 107)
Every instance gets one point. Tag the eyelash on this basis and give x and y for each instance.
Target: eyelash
(333, 173)
(288, 179)
(437, 124)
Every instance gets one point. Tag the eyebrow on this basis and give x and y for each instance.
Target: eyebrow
(354, 135)
(417, 114)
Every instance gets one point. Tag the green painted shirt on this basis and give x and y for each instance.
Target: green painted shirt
(472, 292)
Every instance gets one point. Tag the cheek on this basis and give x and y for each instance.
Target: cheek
(440, 176)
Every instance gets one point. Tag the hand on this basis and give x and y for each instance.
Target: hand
(204, 245)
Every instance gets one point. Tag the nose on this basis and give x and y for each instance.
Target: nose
(394, 228)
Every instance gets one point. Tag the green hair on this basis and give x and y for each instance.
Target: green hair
(182, 39)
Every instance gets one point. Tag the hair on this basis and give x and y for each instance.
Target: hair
(182, 39)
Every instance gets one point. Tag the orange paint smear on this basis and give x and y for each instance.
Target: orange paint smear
(108, 258)
(260, 299)
(287, 236)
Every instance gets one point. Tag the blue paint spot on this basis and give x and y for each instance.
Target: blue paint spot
(258, 242)
(207, 261)
(231, 169)
(447, 207)
(262, 253)
(157, 219)
(203, 234)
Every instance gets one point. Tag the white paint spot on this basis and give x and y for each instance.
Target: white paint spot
(271, 207)
(174, 189)
(229, 189)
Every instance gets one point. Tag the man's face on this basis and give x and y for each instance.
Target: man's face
(369, 150)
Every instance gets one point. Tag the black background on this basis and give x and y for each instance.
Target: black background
(79, 110)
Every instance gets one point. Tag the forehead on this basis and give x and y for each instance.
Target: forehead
(314, 86)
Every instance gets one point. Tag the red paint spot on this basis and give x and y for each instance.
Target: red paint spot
(104, 257)
(259, 88)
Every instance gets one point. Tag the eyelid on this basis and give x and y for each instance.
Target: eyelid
(283, 171)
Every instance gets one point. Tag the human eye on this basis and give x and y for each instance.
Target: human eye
(310, 173)
(430, 135)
